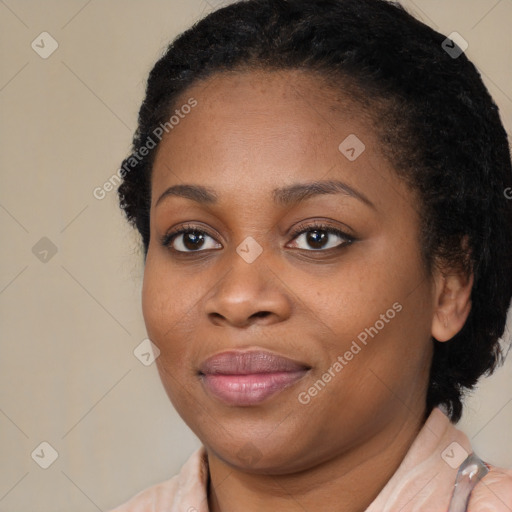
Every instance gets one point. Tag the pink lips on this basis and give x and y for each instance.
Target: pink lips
(248, 378)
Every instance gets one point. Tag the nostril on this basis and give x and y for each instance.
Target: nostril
(260, 314)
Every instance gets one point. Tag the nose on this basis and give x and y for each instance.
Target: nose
(248, 293)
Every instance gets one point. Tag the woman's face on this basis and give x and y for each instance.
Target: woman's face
(253, 278)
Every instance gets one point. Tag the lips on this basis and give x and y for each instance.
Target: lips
(248, 378)
(246, 363)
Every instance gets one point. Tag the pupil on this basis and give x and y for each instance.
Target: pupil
(195, 236)
(316, 240)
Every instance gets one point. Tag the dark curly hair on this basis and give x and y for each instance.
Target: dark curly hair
(436, 121)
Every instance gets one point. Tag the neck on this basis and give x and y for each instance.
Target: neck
(348, 482)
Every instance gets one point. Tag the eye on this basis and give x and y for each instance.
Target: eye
(188, 238)
(319, 237)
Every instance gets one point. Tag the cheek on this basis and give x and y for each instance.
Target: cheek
(153, 299)
(354, 296)
(381, 301)
(164, 308)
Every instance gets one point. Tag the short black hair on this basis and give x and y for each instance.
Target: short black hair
(437, 123)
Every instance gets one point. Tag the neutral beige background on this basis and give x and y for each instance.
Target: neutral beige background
(68, 375)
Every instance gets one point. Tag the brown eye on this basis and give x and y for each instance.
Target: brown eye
(188, 239)
(321, 237)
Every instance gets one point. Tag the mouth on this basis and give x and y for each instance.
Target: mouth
(248, 378)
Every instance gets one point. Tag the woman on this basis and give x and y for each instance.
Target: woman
(320, 188)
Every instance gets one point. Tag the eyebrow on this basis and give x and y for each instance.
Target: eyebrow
(284, 196)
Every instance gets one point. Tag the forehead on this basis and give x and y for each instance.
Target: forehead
(265, 129)
(285, 85)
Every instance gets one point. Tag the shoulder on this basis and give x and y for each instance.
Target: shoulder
(160, 495)
(493, 493)
(183, 492)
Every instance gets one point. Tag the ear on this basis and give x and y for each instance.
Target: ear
(452, 303)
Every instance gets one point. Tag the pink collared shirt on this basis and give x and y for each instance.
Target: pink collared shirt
(424, 481)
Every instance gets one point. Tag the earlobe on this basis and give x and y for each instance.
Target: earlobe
(452, 304)
(441, 317)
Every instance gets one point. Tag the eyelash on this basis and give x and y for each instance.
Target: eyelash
(168, 238)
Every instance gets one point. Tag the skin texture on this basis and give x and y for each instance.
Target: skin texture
(252, 132)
